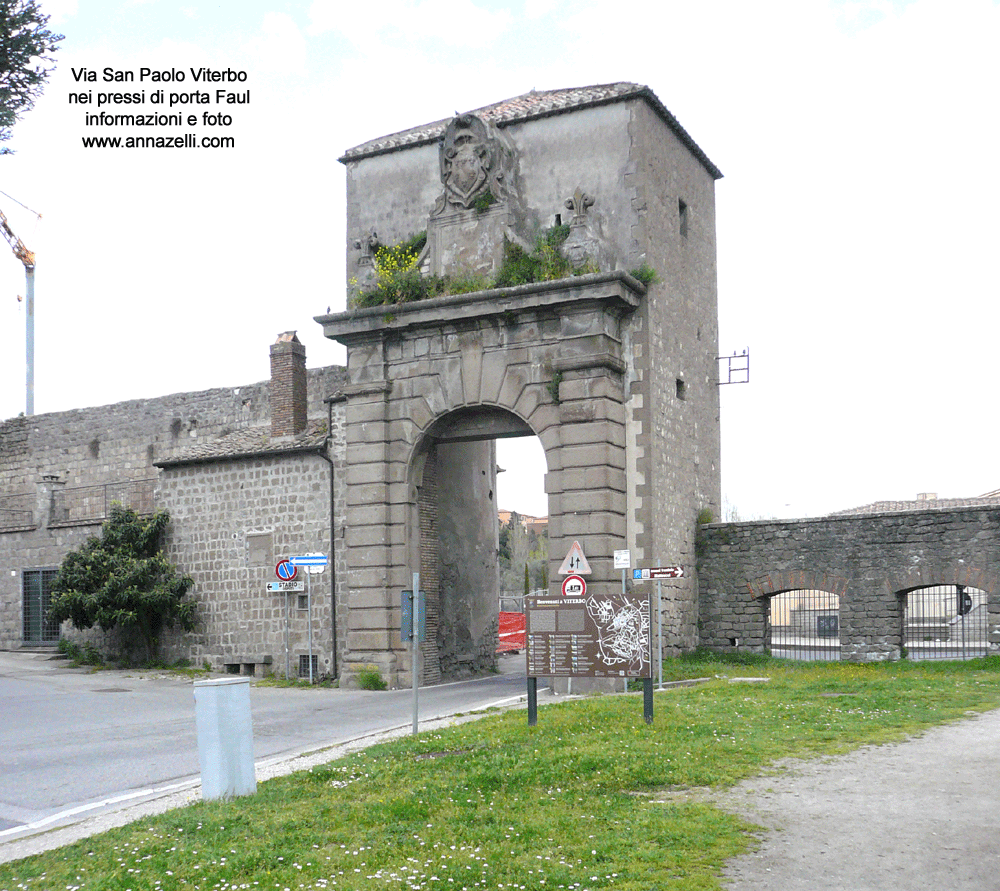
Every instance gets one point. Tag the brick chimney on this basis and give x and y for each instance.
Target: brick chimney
(288, 386)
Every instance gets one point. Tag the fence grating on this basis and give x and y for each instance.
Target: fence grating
(37, 591)
(93, 503)
(16, 513)
(804, 625)
(945, 622)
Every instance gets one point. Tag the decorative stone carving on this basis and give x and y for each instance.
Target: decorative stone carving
(479, 208)
(368, 244)
(584, 244)
(580, 203)
(474, 163)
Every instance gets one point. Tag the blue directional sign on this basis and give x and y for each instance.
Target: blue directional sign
(310, 560)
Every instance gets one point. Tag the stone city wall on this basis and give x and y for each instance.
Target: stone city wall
(869, 561)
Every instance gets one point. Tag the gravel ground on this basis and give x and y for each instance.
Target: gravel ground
(921, 814)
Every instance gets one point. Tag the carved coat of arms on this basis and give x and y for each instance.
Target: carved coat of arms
(472, 163)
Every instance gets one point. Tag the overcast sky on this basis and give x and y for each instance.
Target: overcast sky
(858, 221)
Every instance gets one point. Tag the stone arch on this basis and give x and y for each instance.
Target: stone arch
(452, 531)
(778, 581)
(546, 360)
(617, 377)
(926, 574)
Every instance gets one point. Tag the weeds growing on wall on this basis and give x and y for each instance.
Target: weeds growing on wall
(398, 278)
(370, 678)
(645, 273)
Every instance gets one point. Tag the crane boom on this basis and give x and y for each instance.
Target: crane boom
(16, 245)
(28, 259)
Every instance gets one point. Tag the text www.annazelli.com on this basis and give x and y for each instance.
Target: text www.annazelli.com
(188, 140)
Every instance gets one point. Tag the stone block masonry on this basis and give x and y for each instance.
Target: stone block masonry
(869, 561)
(51, 458)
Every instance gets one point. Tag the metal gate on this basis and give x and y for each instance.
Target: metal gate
(36, 586)
(945, 622)
(804, 624)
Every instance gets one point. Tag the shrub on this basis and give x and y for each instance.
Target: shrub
(121, 581)
(369, 678)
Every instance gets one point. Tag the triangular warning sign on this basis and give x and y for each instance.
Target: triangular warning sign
(575, 562)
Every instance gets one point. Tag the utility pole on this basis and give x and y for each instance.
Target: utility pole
(28, 259)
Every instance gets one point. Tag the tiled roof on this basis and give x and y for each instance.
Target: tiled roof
(529, 106)
(990, 499)
(251, 442)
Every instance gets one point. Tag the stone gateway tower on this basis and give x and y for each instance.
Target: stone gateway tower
(543, 266)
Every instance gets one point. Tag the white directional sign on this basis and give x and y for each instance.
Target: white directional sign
(575, 562)
(312, 563)
(283, 587)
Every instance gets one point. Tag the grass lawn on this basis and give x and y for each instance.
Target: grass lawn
(496, 804)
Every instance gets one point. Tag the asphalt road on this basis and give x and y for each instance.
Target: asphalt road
(77, 744)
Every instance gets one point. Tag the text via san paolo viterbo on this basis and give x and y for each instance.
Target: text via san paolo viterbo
(182, 108)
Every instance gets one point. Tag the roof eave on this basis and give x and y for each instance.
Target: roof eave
(641, 92)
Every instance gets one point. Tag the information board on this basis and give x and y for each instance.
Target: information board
(596, 636)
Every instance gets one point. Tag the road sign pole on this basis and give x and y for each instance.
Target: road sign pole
(415, 656)
(288, 668)
(659, 627)
(309, 605)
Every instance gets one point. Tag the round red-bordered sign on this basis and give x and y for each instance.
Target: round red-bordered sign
(574, 586)
(286, 570)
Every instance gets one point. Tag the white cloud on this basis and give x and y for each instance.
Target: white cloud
(441, 22)
(58, 10)
(279, 46)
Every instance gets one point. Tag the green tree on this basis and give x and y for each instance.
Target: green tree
(27, 49)
(121, 580)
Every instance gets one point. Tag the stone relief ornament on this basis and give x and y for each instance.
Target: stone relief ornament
(584, 244)
(580, 203)
(473, 164)
(368, 244)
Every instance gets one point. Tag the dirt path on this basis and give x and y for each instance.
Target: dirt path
(922, 814)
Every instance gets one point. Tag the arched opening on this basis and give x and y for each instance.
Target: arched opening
(455, 537)
(804, 624)
(944, 622)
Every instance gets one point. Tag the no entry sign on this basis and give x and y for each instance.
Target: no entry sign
(574, 586)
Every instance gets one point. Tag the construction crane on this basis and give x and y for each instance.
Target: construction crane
(28, 259)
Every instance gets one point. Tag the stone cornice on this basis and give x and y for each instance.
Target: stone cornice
(618, 291)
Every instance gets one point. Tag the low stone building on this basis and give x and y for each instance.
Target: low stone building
(247, 473)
